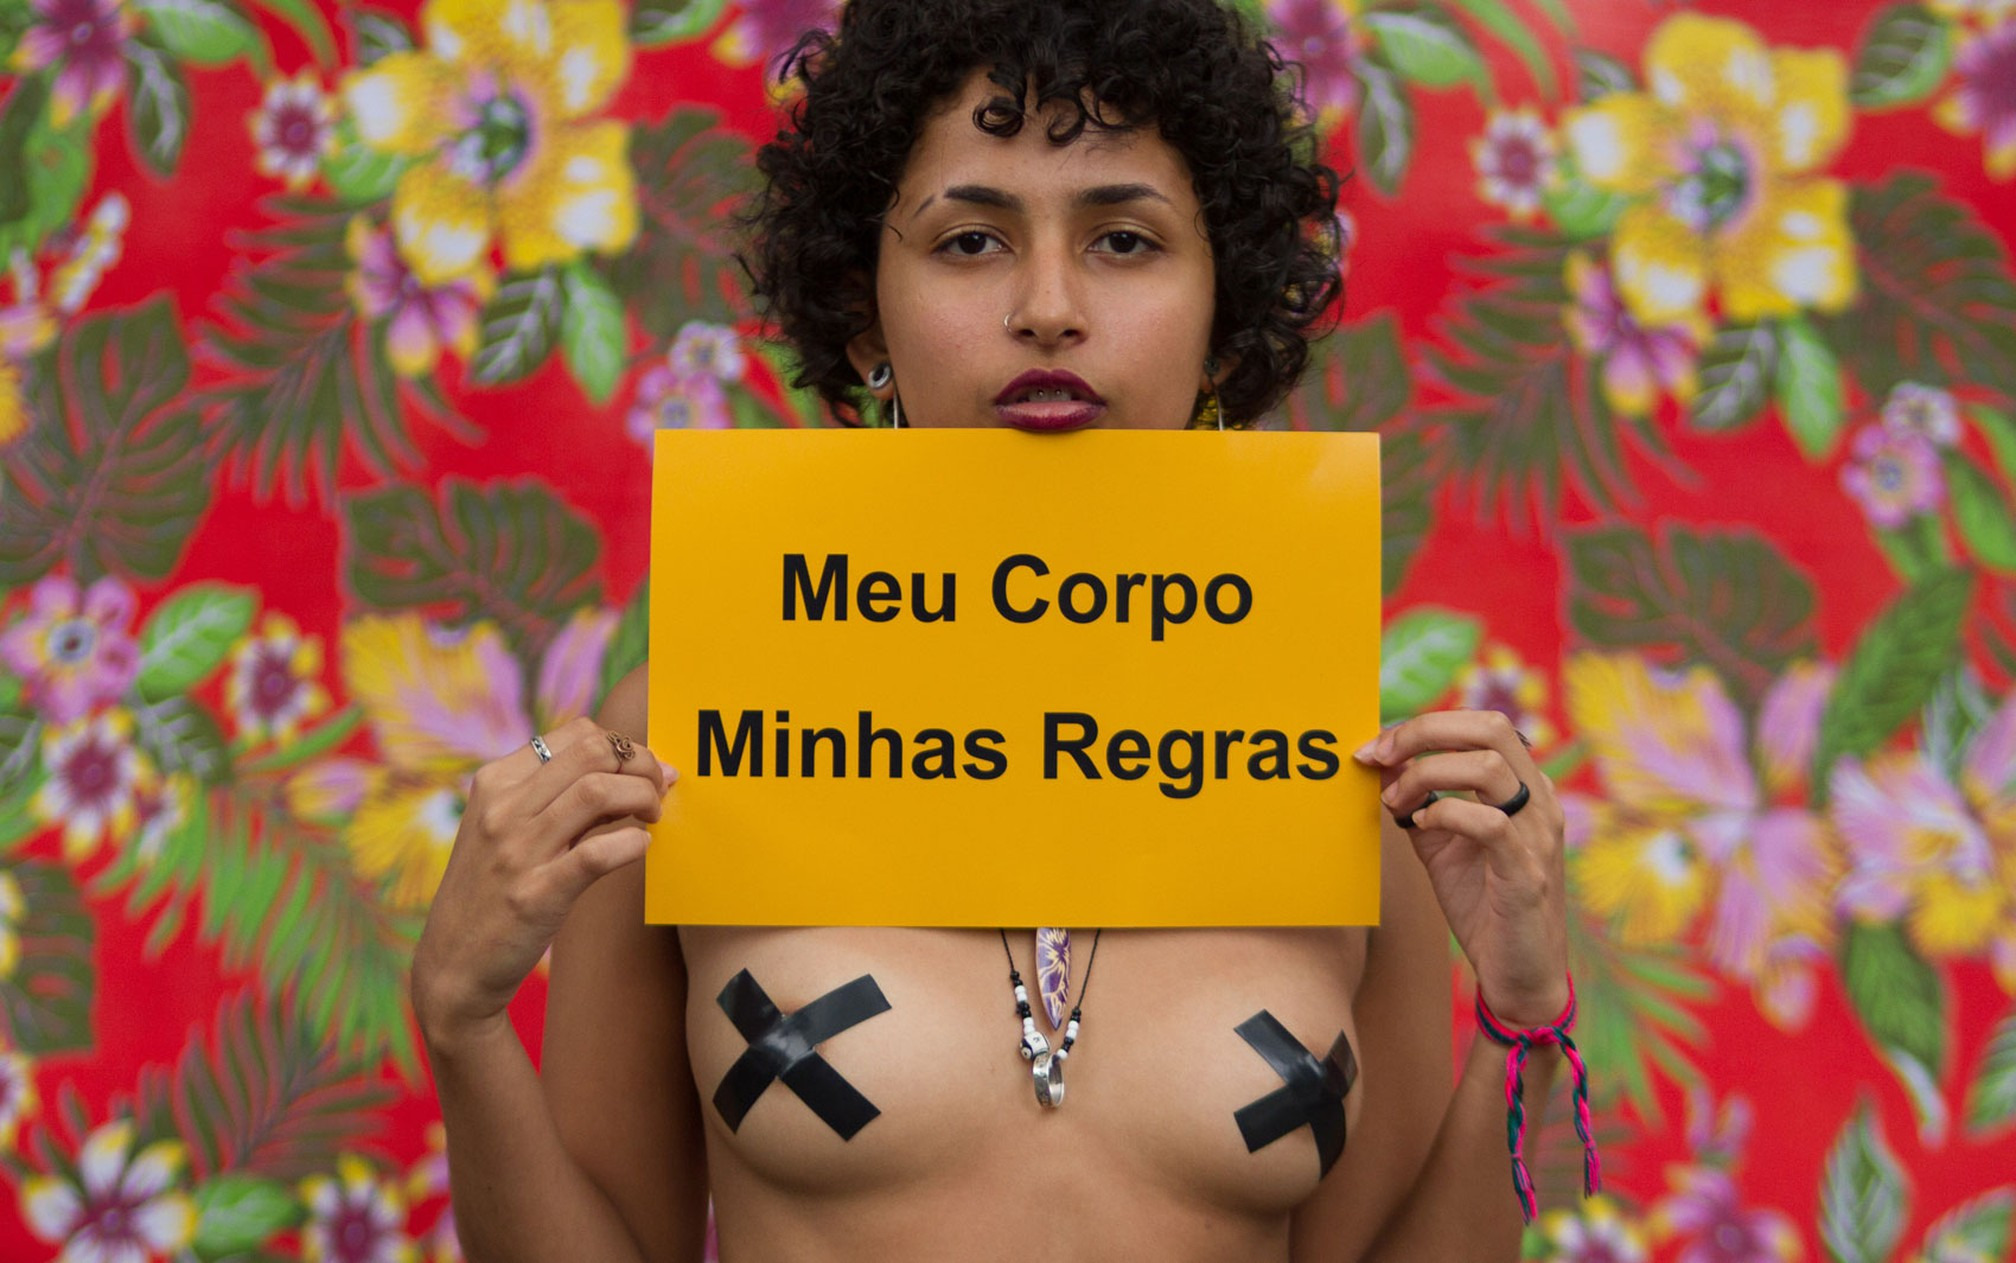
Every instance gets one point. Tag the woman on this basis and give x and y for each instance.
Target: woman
(991, 212)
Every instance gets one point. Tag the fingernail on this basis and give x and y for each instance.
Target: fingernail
(1364, 753)
(669, 772)
(1388, 797)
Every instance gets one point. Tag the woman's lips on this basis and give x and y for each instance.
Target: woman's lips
(1058, 414)
(1079, 406)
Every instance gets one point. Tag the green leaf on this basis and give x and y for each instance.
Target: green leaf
(182, 736)
(1807, 384)
(519, 326)
(1937, 303)
(1515, 32)
(1737, 368)
(594, 335)
(264, 1101)
(1904, 56)
(511, 553)
(235, 1213)
(1356, 380)
(1407, 485)
(1862, 1193)
(630, 643)
(322, 738)
(1727, 598)
(1579, 209)
(1425, 46)
(45, 1004)
(1892, 671)
(110, 478)
(207, 32)
(1916, 550)
(1981, 511)
(43, 172)
(1977, 1229)
(157, 108)
(305, 20)
(1420, 654)
(1637, 1013)
(1385, 126)
(1899, 998)
(1991, 1097)
(1598, 74)
(188, 635)
(306, 378)
(692, 174)
(658, 22)
(358, 173)
(379, 33)
(1999, 428)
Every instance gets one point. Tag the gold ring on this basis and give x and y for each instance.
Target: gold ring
(625, 750)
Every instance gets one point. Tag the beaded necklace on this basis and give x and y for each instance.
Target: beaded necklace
(1047, 1067)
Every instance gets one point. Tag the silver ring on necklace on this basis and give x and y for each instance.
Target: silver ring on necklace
(539, 748)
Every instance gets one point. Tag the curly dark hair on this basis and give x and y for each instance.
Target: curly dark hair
(1194, 69)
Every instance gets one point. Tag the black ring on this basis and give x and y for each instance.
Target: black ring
(1515, 804)
(1407, 821)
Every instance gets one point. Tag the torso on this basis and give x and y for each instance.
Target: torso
(1144, 1157)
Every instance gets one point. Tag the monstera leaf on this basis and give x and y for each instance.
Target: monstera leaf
(511, 553)
(691, 173)
(111, 478)
(1727, 598)
(45, 1003)
(1937, 304)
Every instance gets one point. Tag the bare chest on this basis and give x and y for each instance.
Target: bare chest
(861, 1063)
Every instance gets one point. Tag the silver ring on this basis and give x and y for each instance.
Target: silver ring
(539, 748)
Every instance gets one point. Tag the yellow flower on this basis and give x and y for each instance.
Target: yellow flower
(12, 906)
(1717, 155)
(13, 406)
(495, 110)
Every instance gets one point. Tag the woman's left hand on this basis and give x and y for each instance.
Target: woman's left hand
(1498, 876)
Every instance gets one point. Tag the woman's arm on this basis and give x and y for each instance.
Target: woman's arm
(603, 1162)
(1435, 1180)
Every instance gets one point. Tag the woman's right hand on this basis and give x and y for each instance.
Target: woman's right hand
(527, 849)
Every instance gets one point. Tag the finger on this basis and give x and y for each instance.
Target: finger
(1481, 772)
(1491, 829)
(569, 874)
(582, 747)
(1454, 730)
(598, 799)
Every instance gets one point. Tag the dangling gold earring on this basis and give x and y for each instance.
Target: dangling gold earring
(1205, 414)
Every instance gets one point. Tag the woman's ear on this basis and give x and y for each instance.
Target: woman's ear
(866, 351)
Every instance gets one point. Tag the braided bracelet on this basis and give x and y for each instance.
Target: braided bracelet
(1523, 1042)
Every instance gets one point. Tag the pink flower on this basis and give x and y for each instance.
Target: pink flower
(1895, 474)
(1706, 1206)
(274, 685)
(124, 1206)
(295, 128)
(707, 350)
(95, 777)
(667, 401)
(1319, 36)
(87, 40)
(1514, 160)
(766, 29)
(1639, 361)
(354, 1217)
(72, 650)
(1985, 100)
(1926, 410)
(422, 319)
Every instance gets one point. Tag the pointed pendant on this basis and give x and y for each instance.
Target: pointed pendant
(1053, 972)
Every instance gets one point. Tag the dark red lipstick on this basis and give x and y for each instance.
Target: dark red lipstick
(1048, 400)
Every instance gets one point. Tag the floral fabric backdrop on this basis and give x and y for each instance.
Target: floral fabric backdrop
(330, 338)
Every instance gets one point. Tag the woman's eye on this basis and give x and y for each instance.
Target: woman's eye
(1125, 242)
(970, 243)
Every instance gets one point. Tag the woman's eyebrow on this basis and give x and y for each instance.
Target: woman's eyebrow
(1098, 195)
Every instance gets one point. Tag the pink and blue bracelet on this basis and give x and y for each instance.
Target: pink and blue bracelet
(1522, 1043)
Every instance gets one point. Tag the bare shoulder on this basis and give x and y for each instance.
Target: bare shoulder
(614, 1066)
(1407, 1069)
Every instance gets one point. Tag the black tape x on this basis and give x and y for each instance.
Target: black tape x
(1312, 1094)
(782, 1047)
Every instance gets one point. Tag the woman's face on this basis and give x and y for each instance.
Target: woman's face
(1041, 286)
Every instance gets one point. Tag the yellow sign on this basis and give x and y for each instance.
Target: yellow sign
(981, 678)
